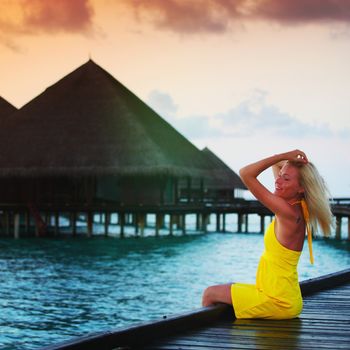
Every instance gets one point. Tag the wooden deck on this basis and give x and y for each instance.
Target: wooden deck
(323, 324)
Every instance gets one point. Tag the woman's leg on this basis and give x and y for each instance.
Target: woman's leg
(217, 294)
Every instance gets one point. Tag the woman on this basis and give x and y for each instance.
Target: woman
(300, 201)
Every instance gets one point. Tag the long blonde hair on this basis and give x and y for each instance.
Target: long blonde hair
(317, 197)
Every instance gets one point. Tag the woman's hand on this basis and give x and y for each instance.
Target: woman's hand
(296, 156)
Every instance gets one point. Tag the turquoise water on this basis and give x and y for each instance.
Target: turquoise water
(55, 289)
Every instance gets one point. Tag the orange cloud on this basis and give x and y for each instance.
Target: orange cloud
(303, 11)
(186, 16)
(218, 15)
(34, 16)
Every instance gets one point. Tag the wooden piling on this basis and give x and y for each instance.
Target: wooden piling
(16, 223)
(142, 223)
(218, 222)
(204, 222)
(121, 217)
(158, 223)
(73, 222)
(90, 223)
(338, 220)
(171, 224)
(183, 224)
(198, 222)
(57, 223)
(262, 223)
(239, 222)
(136, 224)
(107, 217)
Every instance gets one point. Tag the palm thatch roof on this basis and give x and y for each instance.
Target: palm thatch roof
(6, 108)
(88, 123)
(225, 177)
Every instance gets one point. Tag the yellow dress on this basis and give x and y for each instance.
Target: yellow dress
(276, 294)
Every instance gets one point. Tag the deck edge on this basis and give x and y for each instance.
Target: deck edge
(314, 285)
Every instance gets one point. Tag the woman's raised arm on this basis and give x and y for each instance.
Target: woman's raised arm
(250, 173)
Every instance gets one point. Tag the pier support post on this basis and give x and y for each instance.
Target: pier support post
(171, 224)
(176, 221)
(142, 222)
(349, 228)
(338, 227)
(218, 222)
(224, 222)
(106, 223)
(262, 223)
(239, 222)
(90, 218)
(121, 217)
(136, 223)
(162, 220)
(198, 219)
(246, 223)
(16, 224)
(205, 218)
(183, 223)
(73, 221)
(158, 223)
(57, 223)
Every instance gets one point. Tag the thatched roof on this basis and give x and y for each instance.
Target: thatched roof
(224, 177)
(88, 123)
(6, 108)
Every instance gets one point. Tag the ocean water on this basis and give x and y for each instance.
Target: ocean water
(55, 289)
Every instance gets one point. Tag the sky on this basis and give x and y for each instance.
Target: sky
(245, 78)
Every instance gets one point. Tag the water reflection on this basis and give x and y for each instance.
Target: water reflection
(267, 334)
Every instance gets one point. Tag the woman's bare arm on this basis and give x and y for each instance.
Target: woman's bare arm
(250, 173)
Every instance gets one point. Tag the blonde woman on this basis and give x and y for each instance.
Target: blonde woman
(300, 203)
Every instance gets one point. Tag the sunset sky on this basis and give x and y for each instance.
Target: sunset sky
(245, 78)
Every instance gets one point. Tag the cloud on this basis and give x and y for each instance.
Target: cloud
(192, 127)
(195, 16)
(28, 17)
(196, 127)
(184, 16)
(163, 103)
(303, 11)
(250, 118)
(254, 115)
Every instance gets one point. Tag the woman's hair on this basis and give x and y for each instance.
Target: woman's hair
(316, 196)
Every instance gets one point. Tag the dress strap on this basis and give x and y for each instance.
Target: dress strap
(308, 228)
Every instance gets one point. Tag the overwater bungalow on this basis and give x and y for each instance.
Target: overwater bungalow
(219, 188)
(223, 186)
(87, 143)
